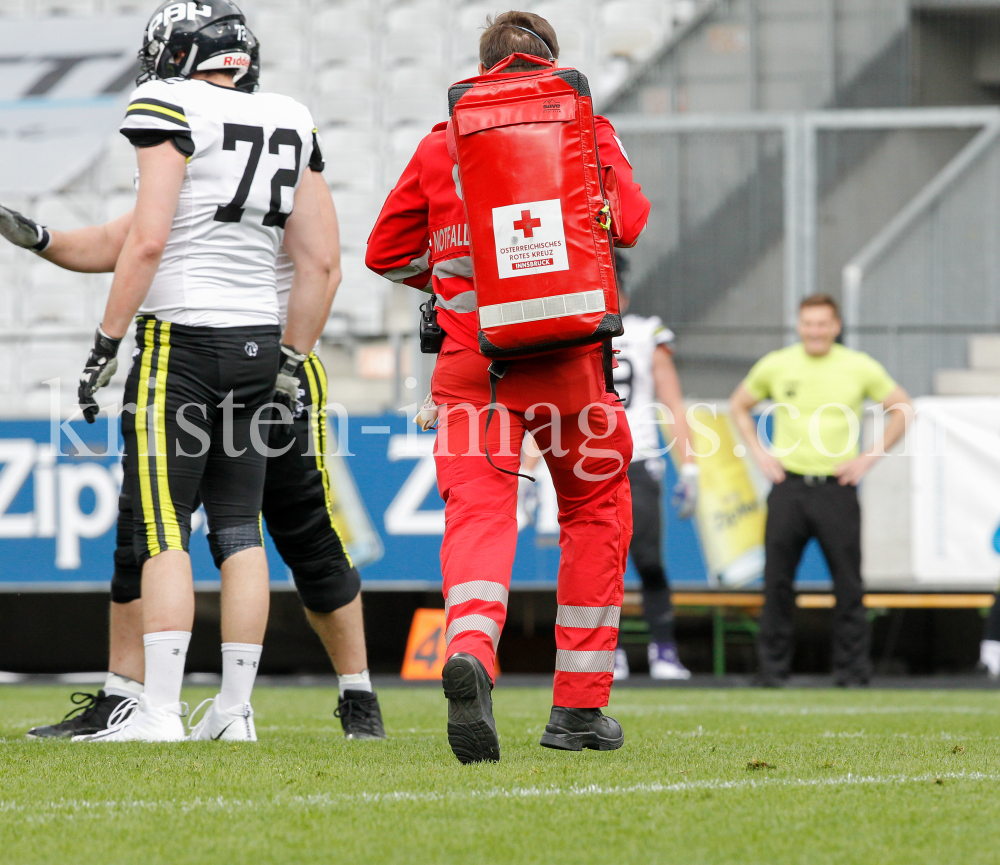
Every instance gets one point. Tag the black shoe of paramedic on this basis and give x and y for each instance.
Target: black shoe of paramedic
(472, 732)
(90, 716)
(360, 715)
(576, 729)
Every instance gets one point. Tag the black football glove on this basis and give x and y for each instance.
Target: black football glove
(286, 388)
(22, 231)
(101, 365)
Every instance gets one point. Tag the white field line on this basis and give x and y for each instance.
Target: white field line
(74, 807)
(740, 709)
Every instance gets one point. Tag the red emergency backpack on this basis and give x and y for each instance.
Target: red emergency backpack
(539, 216)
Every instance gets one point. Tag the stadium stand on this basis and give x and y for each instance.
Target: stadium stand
(375, 73)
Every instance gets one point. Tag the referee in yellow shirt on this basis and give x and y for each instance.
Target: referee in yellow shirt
(819, 388)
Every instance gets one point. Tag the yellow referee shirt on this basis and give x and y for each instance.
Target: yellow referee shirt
(829, 393)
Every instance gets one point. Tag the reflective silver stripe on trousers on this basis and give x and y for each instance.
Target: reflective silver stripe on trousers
(415, 267)
(584, 662)
(461, 266)
(464, 302)
(518, 311)
(478, 623)
(476, 590)
(588, 617)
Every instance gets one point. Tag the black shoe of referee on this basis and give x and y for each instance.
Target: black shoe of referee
(90, 716)
(472, 732)
(360, 715)
(576, 729)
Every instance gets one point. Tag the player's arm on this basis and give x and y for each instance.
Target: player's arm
(331, 228)
(740, 404)
(307, 242)
(161, 174)
(668, 392)
(93, 249)
(900, 410)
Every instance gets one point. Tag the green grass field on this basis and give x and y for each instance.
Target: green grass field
(734, 776)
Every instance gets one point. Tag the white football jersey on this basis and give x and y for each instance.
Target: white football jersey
(634, 379)
(246, 156)
(284, 271)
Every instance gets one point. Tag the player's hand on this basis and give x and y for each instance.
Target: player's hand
(686, 490)
(22, 231)
(286, 387)
(851, 472)
(771, 467)
(101, 366)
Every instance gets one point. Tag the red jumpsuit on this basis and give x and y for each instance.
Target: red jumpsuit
(421, 239)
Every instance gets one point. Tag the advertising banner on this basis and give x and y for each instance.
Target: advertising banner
(955, 496)
(59, 486)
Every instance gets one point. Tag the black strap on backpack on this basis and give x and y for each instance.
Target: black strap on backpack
(498, 369)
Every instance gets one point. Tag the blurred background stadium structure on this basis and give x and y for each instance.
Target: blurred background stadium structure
(788, 146)
(738, 116)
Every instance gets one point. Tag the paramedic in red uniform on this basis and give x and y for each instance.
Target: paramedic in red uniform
(422, 239)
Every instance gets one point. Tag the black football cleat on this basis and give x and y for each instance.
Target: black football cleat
(90, 716)
(576, 729)
(360, 715)
(472, 732)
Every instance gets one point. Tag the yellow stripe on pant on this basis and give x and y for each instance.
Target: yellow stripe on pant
(157, 505)
(316, 378)
(142, 440)
(168, 516)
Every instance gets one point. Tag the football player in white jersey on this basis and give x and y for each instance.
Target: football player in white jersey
(646, 379)
(297, 506)
(219, 192)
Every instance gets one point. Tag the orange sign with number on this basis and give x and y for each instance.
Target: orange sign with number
(425, 648)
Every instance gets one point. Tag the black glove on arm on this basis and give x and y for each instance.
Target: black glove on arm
(22, 231)
(286, 388)
(101, 365)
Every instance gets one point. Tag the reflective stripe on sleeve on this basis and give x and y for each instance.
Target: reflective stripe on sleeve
(568, 661)
(414, 268)
(588, 617)
(478, 623)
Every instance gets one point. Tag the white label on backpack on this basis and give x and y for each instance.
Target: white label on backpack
(530, 238)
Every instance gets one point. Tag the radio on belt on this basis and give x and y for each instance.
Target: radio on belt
(540, 221)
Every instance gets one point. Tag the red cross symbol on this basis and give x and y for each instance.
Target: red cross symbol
(526, 223)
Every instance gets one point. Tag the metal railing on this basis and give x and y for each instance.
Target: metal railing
(801, 164)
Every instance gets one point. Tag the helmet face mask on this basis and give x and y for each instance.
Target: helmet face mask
(184, 38)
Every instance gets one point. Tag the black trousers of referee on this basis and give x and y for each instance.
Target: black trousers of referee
(800, 508)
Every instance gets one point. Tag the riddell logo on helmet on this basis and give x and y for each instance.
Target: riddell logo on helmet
(236, 60)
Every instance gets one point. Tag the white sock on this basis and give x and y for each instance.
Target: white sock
(989, 656)
(355, 682)
(121, 686)
(166, 652)
(239, 670)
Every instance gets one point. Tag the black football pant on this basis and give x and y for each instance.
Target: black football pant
(801, 508)
(646, 548)
(300, 511)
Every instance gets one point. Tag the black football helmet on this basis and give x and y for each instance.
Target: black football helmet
(184, 38)
(250, 83)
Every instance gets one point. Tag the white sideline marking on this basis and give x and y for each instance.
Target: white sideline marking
(752, 709)
(72, 807)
